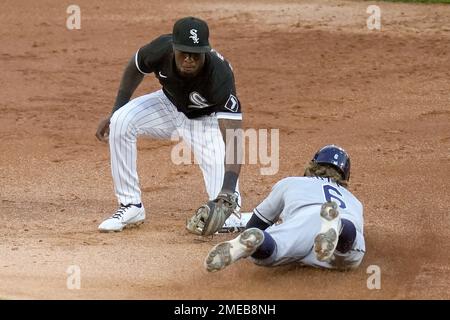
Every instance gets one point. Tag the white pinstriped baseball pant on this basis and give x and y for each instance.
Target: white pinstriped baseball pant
(155, 116)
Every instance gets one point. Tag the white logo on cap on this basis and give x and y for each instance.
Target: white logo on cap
(194, 36)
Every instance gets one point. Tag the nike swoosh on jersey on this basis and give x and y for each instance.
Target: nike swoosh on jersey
(161, 75)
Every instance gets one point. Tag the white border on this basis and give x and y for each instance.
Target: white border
(229, 115)
(137, 65)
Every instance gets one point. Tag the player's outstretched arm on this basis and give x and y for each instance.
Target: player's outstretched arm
(232, 134)
(210, 217)
(130, 81)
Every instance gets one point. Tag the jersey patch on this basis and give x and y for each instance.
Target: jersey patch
(232, 104)
(198, 101)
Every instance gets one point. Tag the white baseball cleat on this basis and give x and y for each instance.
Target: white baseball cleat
(125, 217)
(326, 240)
(225, 253)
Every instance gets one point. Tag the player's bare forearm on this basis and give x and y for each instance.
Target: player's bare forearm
(130, 81)
(232, 134)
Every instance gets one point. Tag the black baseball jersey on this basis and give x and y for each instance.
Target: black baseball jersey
(212, 90)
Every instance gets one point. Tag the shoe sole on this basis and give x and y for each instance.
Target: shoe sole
(326, 241)
(129, 225)
(222, 256)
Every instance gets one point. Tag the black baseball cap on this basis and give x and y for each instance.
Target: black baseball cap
(191, 35)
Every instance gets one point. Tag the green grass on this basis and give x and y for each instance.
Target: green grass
(420, 1)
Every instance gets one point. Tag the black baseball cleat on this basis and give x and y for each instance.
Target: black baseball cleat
(235, 224)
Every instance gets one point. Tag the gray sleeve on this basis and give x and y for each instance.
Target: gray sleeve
(270, 209)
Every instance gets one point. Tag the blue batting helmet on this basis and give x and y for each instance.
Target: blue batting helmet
(336, 157)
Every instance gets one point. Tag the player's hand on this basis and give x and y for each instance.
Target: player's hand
(102, 133)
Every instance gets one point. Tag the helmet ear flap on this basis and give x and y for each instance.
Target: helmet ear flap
(348, 173)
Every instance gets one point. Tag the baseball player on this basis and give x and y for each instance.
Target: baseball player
(312, 220)
(197, 102)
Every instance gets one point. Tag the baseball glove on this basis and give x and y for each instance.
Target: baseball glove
(211, 216)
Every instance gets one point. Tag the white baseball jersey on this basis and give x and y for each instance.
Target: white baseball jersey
(297, 202)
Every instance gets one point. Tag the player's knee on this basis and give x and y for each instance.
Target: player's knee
(115, 131)
(344, 262)
(347, 236)
(120, 125)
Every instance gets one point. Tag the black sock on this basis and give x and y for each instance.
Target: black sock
(266, 248)
(256, 222)
(347, 236)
